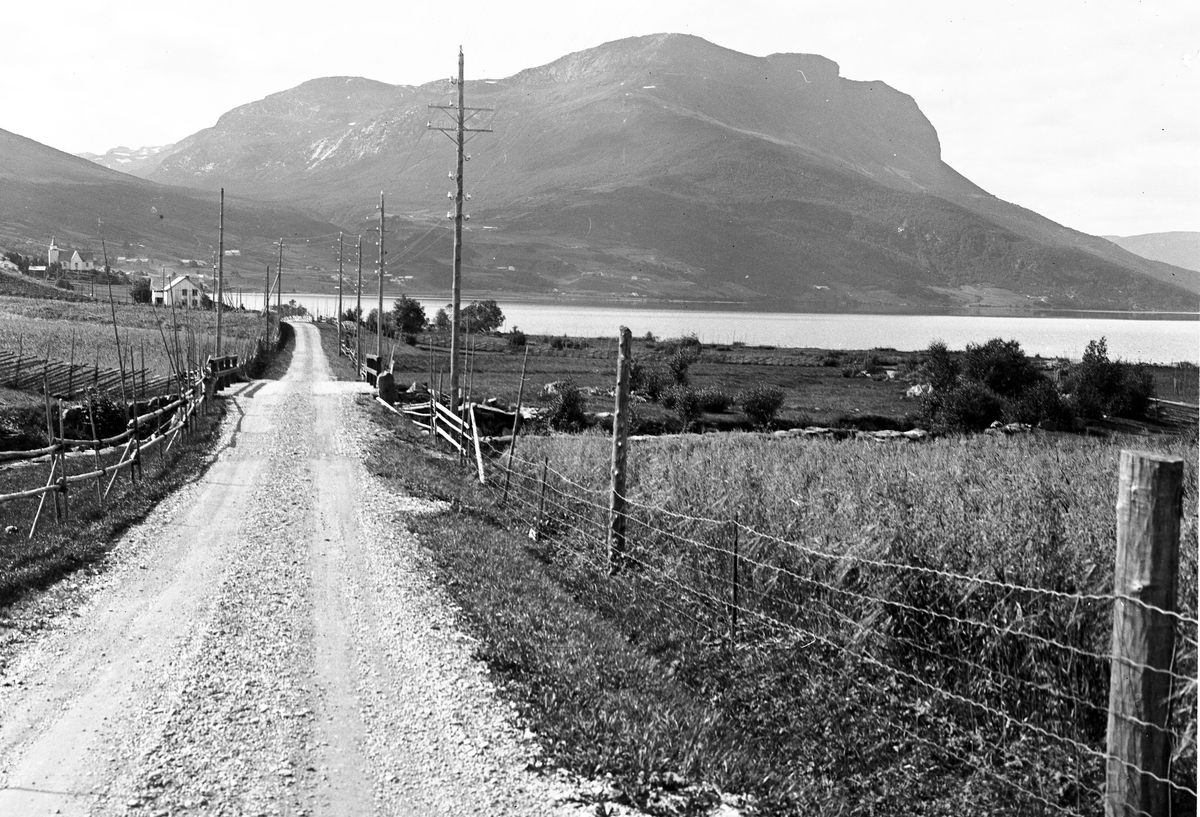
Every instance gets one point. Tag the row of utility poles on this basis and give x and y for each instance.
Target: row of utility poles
(458, 134)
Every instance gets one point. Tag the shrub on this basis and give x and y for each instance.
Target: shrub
(1100, 386)
(685, 404)
(441, 320)
(969, 406)
(939, 369)
(141, 291)
(679, 362)
(410, 339)
(1040, 405)
(714, 400)
(654, 384)
(1001, 366)
(558, 343)
(65, 283)
(517, 338)
(831, 360)
(567, 409)
(761, 403)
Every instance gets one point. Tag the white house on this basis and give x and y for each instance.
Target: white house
(183, 291)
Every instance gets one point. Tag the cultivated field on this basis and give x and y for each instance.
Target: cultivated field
(83, 332)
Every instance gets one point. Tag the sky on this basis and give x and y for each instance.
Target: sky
(1086, 112)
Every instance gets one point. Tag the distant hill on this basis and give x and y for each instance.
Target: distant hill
(666, 167)
(135, 161)
(1179, 248)
(46, 193)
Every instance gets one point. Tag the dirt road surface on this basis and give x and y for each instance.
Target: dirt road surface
(265, 643)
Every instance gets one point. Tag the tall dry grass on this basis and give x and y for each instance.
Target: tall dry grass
(959, 585)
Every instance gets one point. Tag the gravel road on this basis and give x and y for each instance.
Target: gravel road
(264, 643)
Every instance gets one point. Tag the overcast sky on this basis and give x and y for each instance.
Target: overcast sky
(1086, 112)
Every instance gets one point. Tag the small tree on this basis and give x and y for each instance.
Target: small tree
(141, 291)
(482, 316)
(761, 403)
(441, 320)
(566, 411)
(408, 315)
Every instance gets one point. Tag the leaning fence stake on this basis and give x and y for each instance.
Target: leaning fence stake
(512, 445)
(1149, 507)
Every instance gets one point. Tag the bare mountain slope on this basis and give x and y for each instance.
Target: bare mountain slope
(46, 193)
(706, 173)
(1179, 248)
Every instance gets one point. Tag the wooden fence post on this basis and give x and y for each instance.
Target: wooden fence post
(537, 525)
(620, 450)
(1149, 506)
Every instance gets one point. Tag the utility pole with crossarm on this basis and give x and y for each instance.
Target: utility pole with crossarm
(458, 134)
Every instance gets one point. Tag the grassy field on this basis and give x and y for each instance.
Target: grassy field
(864, 388)
(83, 330)
(866, 675)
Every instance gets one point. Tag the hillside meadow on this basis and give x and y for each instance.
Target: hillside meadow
(83, 331)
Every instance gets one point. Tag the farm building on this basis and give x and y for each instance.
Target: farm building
(183, 291)
(73, 260)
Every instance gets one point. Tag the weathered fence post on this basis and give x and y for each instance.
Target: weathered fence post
(1149, 506)
(620, 451)
(733, 608)
(537, 525)
(512, 446)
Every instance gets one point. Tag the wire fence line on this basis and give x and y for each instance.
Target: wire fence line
(1020, 669)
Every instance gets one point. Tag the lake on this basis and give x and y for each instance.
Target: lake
(1157, 341)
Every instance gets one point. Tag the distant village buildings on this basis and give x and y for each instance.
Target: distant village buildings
(72, 260)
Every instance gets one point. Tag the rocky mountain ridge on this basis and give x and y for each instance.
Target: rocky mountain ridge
(669, 168)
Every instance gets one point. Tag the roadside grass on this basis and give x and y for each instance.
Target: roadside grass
(823, 702)
(339, 367)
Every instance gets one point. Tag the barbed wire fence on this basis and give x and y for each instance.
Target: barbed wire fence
(1034, 689)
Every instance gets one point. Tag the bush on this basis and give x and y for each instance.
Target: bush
(680, 361)
(1100, 386)
(939, 369)
(141, 291)
(567, 409)
(654, 384)
(713, 400)
(1040, 405)
(441, 320)
(1001, 366)
(969, 406)
(684, 403)
(410, 339)
(64, 283)
(761, 403)
(558, 344)
(517, 338)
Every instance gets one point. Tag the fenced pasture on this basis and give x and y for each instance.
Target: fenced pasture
(859, 627)
(972, 579)
(82, 333)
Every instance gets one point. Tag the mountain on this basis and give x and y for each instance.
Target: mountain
(666, 167)
(135, 161)
(45, 193)
(1179, 248)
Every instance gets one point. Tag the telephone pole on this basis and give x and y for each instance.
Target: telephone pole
(220, 269)
(458, 134)
(339, 309)
(358, 316)
(279, 283)
(379, 314)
